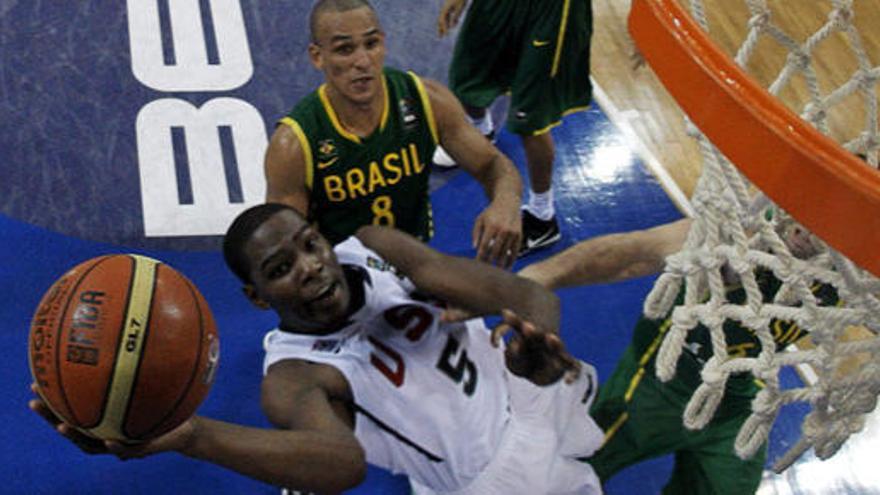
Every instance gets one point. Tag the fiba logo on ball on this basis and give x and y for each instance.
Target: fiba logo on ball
(123, 347)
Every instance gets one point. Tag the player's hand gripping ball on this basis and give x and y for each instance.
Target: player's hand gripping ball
(123, 347)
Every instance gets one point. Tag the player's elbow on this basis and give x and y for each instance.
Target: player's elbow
(357, 472)
(350, 471)
(340, 467)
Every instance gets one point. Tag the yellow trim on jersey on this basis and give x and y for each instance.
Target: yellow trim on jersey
(334, 119)
(306, 147)
(385, 111)
(637, 378)
(560, 37)
(426, 103)
(570, 111)
(614, 427)
(656, 343)
(633, 383)
(130, 349)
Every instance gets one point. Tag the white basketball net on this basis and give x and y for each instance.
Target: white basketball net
(731, 228)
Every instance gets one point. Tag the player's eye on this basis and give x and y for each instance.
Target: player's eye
(372, 43)
(279, 270)
(344, 49)
(311, 243)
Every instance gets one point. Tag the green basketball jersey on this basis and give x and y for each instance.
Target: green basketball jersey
(381, 179)
(741, 341)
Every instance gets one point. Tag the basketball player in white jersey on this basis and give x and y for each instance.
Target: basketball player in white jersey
(363, 369)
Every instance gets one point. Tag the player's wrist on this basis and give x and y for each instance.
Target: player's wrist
(187, 434)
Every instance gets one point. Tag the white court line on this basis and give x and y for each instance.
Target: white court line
(618, 118)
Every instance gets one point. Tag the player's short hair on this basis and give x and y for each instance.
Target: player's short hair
(322, 6)
(240, 232)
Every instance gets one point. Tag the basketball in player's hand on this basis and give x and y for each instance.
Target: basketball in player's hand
(123, 347)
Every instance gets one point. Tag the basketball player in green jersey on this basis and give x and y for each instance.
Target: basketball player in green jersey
(642, 416)
(357, 150)
(539, 51)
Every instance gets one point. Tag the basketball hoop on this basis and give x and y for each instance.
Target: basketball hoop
(802, 174)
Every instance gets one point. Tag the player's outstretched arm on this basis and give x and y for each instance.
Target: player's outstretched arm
(477, 287)
(285, 168)
(314, 447)
(497, 230)
(611, 257)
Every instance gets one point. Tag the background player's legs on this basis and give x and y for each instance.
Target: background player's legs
(481, 118)
(715, 472)
(484, 62)
(539, 221)
(640, 421)
(552, 80)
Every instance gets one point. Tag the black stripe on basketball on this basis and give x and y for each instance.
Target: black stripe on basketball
(59, 331)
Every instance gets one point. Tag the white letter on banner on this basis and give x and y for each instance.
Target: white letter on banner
(191, 70)
(211, 211)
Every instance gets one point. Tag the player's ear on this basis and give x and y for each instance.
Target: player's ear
(251, 293)
(315, 56)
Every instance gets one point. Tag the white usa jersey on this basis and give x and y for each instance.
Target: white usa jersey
(431, 400)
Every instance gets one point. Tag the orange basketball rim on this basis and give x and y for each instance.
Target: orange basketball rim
(825, 187)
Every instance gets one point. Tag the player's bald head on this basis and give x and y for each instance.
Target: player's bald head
(322, 7)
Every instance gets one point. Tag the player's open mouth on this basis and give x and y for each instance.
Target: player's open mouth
(325, 294)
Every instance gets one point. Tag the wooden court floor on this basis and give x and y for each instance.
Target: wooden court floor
(644, 106)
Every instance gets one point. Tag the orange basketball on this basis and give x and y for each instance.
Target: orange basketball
(123, 347)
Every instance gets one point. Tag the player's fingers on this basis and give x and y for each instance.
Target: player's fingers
(498, 333)
(515, 321)
(127, 451)
(516, 242)
(477, 234)
(505, 254)
(85, 443)
(530, 333)
(497, 248)
(492, 244)
(555, 348)
(486, 247)
(508, 248)
(511, 252)
(554, 343)
(573, 371)
(514, 354)
(451, 315)
(40, 407)
(519, 360)
(116, 449)
(511, 318)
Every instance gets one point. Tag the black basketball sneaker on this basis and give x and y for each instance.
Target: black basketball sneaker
(537, 233)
